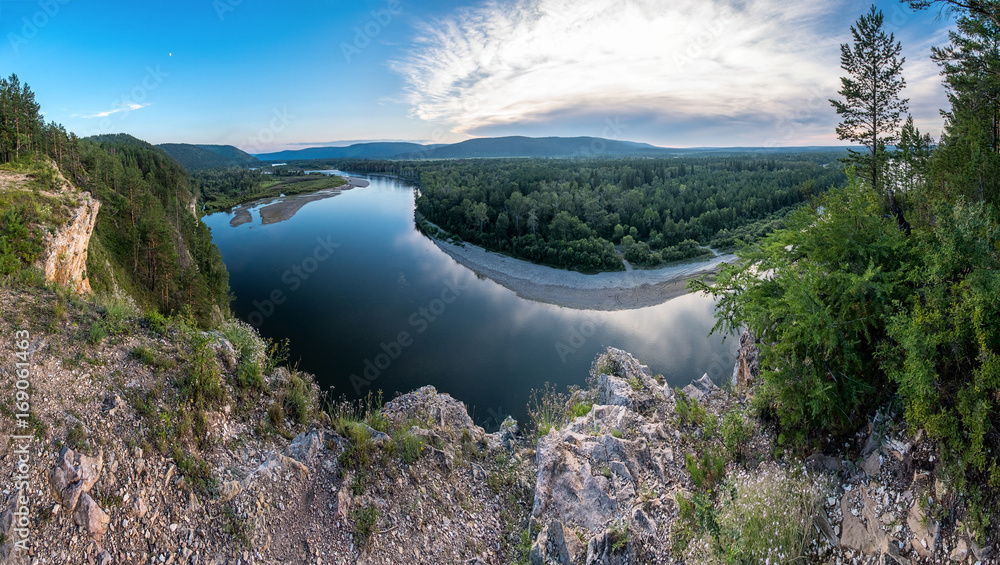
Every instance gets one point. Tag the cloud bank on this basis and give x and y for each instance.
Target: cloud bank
(675, 65)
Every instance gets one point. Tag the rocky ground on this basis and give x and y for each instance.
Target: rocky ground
(120, 470)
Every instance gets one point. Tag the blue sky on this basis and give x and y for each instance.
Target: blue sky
(274, 75)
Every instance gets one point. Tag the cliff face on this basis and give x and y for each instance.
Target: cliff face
(65, 258)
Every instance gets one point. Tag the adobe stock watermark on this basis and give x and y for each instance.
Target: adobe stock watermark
(30, 26)
(706, 36)
(21, 519)
(365, 34)
(293, 277)
(134, 99)
(419, 321)
(223, 7)
(787, 126)
(575, 338)
(614, 130)
(279, 122)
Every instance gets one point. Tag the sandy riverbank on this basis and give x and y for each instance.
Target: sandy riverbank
(604, 291)
(281, 208)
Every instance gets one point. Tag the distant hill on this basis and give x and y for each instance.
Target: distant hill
(195, 157)
(516, 146)
(375, 150)
(543, 147)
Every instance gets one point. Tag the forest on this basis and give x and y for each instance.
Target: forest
(149, 240)
(589, 214)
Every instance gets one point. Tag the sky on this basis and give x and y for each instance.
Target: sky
(266, 76)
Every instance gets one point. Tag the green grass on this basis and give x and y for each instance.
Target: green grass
(237, 527)
(196, 473)
(365, 523)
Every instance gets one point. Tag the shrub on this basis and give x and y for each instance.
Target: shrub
(365, 521)
(834, 278)
(547, 409)
(737, 431)
(97, 333)
(201, 384)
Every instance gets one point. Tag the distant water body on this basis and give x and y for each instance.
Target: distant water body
(369, 303)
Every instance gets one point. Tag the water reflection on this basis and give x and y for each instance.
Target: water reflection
(344, 278)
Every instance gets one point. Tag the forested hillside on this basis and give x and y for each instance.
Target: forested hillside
(197, 157)
(572, 213)
(149, 242)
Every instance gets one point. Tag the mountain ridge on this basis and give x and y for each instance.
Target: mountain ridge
(552, 147)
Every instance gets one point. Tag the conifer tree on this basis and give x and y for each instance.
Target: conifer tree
(871, 109)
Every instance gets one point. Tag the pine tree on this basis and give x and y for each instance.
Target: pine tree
(871, 109)
(970, 163)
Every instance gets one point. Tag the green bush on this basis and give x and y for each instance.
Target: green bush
(834, 279)
(201, 384)
(945, 348)
(737, 431)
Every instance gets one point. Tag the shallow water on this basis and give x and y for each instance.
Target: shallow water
(369, 304)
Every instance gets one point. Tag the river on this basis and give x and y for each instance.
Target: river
(369, 303)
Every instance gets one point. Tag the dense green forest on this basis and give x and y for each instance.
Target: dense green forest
(197, 157)
(883, 298)
(149, 241)
(587, 214)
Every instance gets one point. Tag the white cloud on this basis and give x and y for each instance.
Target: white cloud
(526, 61)
(120, 108)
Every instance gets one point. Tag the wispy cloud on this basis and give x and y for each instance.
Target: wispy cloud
(120, 108)
(530, 61)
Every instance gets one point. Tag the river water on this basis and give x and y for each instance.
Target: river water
(369, 303)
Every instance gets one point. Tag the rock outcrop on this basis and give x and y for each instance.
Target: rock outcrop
(65, 258)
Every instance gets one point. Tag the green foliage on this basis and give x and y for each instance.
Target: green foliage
(737, 431)
(196, 473)
(365, 523)
(580, 409)
(97, 332)
(237, 527)
(945, 348)
(871, 109)
(570, 213)
(696, 517)
(689, 412)
(201, 384)
(223, 189)
(706, 470)
(833, 280)
(548, 409)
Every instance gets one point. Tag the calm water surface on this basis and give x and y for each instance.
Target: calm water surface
(369, 303)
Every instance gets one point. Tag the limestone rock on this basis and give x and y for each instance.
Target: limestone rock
(924, 528)
(90, 516)
(229, 491)
(305, 447)
(623, 381)
(701, 389)
(872, 464)
(853, 533)
(444, 414)
(568, 486)
(65, 259)
(747, 371)
(601, 550)
(139, 508)
(73, 475)
(550, 546)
